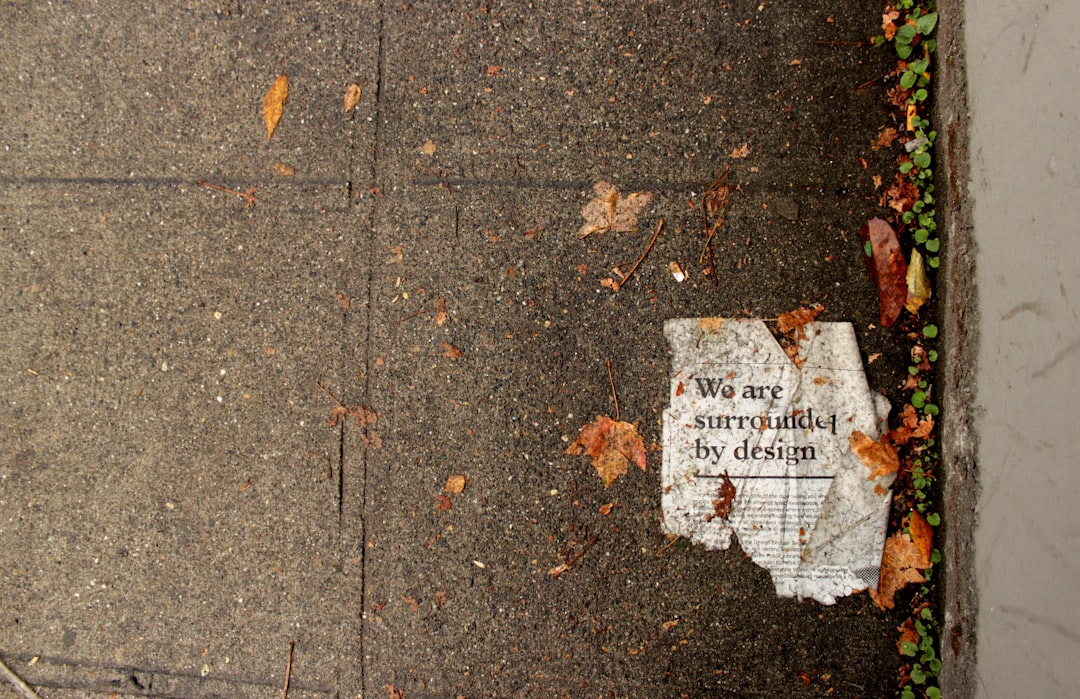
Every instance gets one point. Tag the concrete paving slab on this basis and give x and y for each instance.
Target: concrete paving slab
(173, 483)
(333, 534)
(1023, 182)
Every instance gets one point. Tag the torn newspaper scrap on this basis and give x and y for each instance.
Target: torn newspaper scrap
(757, 445)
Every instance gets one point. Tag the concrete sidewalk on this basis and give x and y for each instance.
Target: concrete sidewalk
(181, 493)
(1014, 171)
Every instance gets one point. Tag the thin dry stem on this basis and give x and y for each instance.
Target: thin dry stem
(21, 688)
(614, 396)
(288, 671)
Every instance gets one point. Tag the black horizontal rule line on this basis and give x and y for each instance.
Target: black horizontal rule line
(773, 478)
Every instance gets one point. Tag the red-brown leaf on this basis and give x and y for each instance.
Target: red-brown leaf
(887, 267)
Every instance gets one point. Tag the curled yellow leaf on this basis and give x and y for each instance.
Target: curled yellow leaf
(273, 104)
(918, 284)
(352, 96)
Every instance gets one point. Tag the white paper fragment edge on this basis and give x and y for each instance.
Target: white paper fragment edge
(804, 508)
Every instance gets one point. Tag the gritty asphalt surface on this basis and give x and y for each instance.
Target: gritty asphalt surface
(178, 501)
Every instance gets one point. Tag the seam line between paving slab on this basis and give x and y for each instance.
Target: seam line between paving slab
(142, 678)
(369, 244)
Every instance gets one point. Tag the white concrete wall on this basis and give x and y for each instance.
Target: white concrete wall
(1023, 62)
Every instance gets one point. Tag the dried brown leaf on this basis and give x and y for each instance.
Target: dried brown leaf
(881, 458)
(450, 351)
(741, 152)
(352, 97)
(609, 211)
(926, 426)
(443, 503)
(284, 170)
(901, 194)
(725, 499)
(798, 319)
(908, 634)
(885, 138)
(902, 562)
(922, 535)
(612, 446)
(273, 104)
(887, 24)
(441, 316)
(887, 268)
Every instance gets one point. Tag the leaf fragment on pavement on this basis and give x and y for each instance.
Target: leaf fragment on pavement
(881, 458)
(887, 267)
(885, 138)
(352, 97)
(918, 284)
(610, 211)
(273, 104)
(741, 152)
(612, 445)
(441, 316)
(912, 427)
(901, 195)
(455, 484)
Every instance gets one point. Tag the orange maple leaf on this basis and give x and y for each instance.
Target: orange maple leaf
(611, 445)
(881, 458)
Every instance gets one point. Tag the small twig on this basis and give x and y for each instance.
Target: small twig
(871, 81)
(588, 545)
(247, 195)
(668, 545)
(327, 392)
(845, 43)
(426, 309)
(288, 671)
(614, 396)
(619, 284)
(20, 687)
